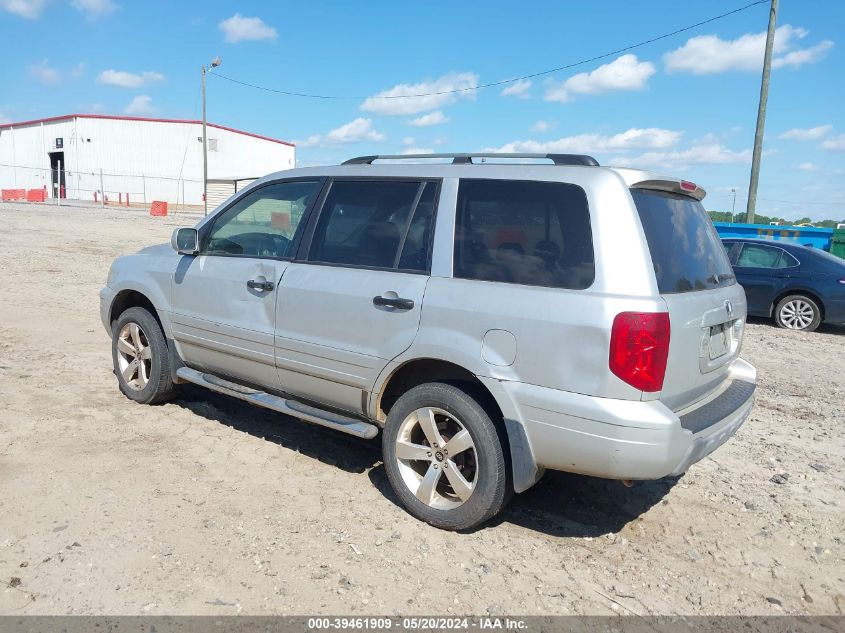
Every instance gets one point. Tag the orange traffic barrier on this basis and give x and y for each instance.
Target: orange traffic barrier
(158, 208)
(280, 220)
(13, 194)
(36, 195)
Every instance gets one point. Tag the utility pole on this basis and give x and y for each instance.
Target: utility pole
(733, 206)
(204, 150)
(214, 64)
(761, 115)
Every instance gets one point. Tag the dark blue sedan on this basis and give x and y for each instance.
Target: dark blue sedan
(798, 286)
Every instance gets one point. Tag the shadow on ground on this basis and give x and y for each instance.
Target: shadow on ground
(569, 505)
(824, 328)
(330, 447)
(562, 504)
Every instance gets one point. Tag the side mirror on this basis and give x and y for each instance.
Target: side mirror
(185, 241)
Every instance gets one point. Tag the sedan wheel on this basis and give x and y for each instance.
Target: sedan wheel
(798, 312)
(436, 458)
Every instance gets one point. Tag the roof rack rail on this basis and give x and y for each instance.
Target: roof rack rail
(466, 159)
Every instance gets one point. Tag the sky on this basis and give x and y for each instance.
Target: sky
(686, 105)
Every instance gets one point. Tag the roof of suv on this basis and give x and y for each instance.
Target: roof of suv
(498, 165)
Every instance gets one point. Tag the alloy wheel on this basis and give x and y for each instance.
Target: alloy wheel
(797, 314)
(437, 458)
(134, 356)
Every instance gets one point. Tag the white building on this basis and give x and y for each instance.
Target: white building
(147, 159)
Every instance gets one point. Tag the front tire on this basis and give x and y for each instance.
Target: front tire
(140, 356)
(798, 312)
(444, 458)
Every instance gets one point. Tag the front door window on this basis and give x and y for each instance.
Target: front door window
(264, 223)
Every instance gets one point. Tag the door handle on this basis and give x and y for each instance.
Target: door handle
(388, 302)
(254, 284)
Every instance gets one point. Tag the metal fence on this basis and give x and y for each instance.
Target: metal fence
(100, 187)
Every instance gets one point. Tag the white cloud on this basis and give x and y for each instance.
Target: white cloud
(634, 138)
(44, 74)
(835, 143)
(794, 59)
(432, 118)
(238, 29)
(623, 73)
(29, 9)
(710, 54)
(808, 166)
(95, 8)
(356, 131)
(806, 134)
(542, 126)
(417, 150)
(517, 89)
(701, 154)
(123, 79)
(142, 104)
(400, 99)
(408, 140)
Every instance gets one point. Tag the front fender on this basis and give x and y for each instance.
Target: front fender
(148, 274)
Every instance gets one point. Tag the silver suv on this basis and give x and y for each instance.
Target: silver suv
(493, 318)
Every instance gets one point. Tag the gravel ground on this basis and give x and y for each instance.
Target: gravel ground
(209, 506)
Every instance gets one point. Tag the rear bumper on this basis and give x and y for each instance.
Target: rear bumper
(623, 439)
(834, 311)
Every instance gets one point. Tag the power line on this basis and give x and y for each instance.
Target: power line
(501, 82)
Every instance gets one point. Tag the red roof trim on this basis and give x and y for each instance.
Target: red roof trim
(140, 118)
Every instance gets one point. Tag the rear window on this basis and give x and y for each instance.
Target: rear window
(685, 249)
(524, 232)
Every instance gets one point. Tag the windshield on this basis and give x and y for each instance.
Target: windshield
(685, 249)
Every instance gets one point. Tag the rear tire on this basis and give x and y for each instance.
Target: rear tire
(140, 357)
(798, 312)
(444, 458)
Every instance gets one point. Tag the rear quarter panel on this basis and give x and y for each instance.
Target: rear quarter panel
(561, 336)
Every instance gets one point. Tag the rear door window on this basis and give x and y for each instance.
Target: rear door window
(762, 256)
(685, 248)
(524, 232)
(754, 256)
(371, 222)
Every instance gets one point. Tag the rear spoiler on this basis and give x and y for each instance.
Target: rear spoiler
(683, 187)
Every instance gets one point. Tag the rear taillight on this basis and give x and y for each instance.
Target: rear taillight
(639, 347)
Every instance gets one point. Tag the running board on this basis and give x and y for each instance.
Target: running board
(336, 421)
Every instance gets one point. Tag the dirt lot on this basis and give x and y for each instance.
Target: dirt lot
(210, 506)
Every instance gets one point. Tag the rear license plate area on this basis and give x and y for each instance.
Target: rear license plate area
(718, 341)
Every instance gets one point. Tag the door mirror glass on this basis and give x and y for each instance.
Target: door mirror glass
(185, 241)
